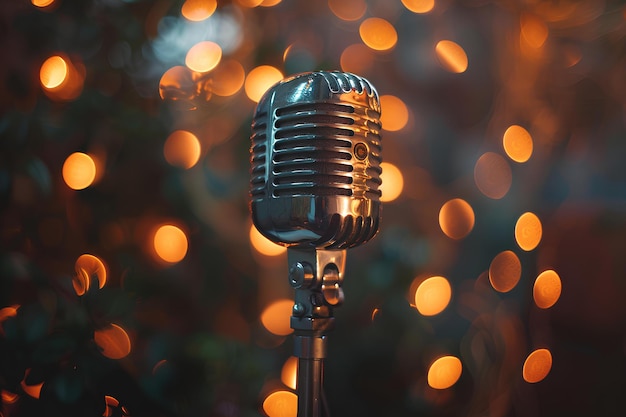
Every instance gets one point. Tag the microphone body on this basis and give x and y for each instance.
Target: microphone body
(315, 162)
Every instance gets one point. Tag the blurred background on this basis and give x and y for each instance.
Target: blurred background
(132, 282)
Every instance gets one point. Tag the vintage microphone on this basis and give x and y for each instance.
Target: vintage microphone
(315, 177)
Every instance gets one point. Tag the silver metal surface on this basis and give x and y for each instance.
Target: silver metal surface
(315, 161)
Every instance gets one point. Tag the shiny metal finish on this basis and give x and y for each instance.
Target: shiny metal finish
(315, 161)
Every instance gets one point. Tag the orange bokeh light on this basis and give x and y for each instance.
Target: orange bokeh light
(356, 58)
(8, 397)
(492, 175)
(505, 271)
(79, 171)
(53, 72)
(444, 372)
(378, 34)
(276, 317)
(547, 289)
(528, 231)
(419, 6)
(62, 79)
(456, 218)
(537, 366)
(113, 341)
(170, 243)
(348, 10)
(533, 30)
(198, 10)
(452, 56)
(517, 143)
(259, 80)
(263, 245)
(281, 404)
(289, 372)
(42, 3)
(269, 3)
(228, 78)
(250, 3)
(203, 56)
(182, 149)
(33, 390)
(7, 312)
(433, 296)
(396, 114)
(392, 182)
(86, 266)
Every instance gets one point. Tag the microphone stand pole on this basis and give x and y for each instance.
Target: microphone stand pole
(316, 276)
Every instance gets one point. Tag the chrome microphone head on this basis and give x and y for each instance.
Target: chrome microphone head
(315, 161)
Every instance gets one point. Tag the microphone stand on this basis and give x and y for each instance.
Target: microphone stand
(316, 276)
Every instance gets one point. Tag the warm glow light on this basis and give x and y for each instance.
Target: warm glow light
(533, 30)
(281, 404)
(378, 34)
(259, 80)
(263, 245)
(452, 56)
(203, 56)
(349, 10)
(170, 243)
(7, 312)
(8, 397)
(356, 58)
(87, 266)
(113, 341)
(537, 366)
(53, 71)
(250, 3)
(228, 78)
(505, 271)
(177, 84)
(528, 231)
(110, 402)
(456, 218)
(492, 175)
(444, 372)
(392, 182)
(433, 296)
(269, 3)
(289, 373)
(547, 289)
(79, 171)
(198, 10)
(182, 149)
(42, 3)
(32, 390)
(277, 316)
(396, 114)
(517, 143)
(419, 6)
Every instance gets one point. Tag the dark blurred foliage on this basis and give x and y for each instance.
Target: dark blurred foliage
(198, 347)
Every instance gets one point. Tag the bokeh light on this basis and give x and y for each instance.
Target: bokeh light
(517, 143)
(289, 372)
(269, 3)
(263, 245)
(182, 149)
(378, 34)
(492, 175)
(356, 58)
(456, 218)
(392, 182)
(419, 6)
(53, 72)
(259, 80)
(547, 289)
(177, 84)
(348, 10)
(113, 341)
(533, 30)
(250, 3)
(433, 295)
(444, 372)
(228, 78)
(537, 366)
(276, 317)
(452, 56)
(198, 10)
(170, 243)
(8, 397)
(505, 271)
(33, 390)
(86, 266)
(396, 114)
(42, 3)
(528, 231)
(79, 171)
(203, 56)
(281, 404)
